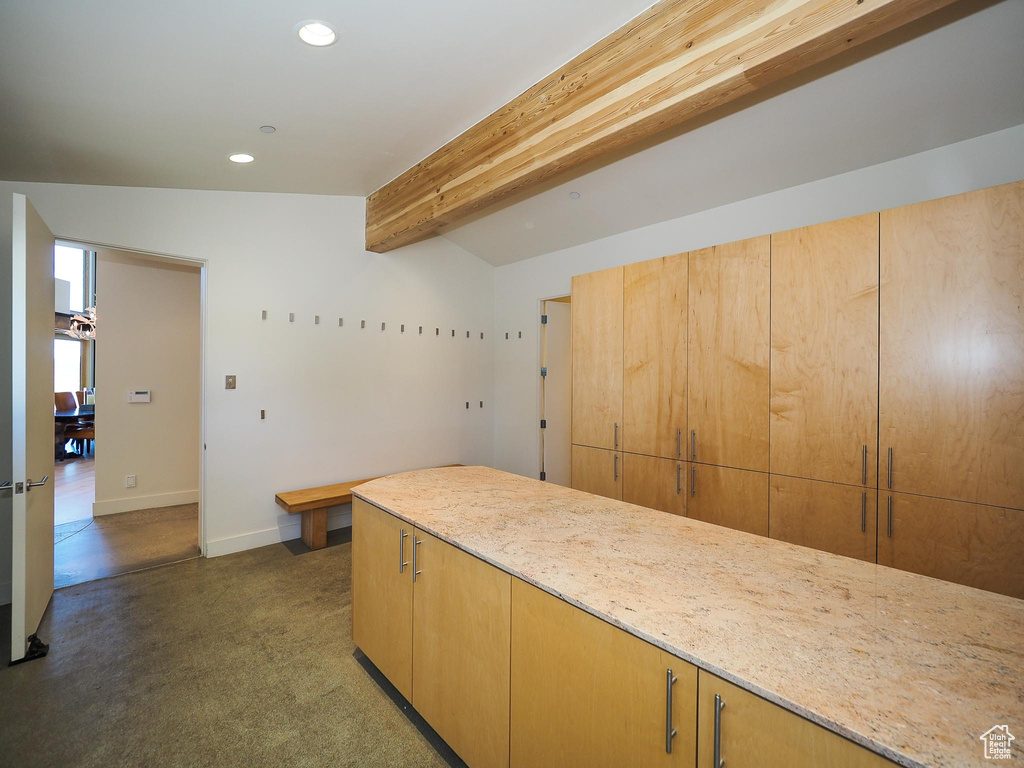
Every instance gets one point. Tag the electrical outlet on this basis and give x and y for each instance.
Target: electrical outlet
(129, 481)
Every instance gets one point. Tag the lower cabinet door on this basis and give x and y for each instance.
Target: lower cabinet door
(461, 648)
(655, 483)
(587, 694)
(754, 733)
(597, 471)
(970, 544)
(382, 592)
(735, 498)
(834, 518)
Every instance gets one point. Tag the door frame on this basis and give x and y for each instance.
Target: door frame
(203, 265)
(565, 298)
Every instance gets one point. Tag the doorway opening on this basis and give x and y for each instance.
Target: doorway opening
(556, 389)
(127, 411)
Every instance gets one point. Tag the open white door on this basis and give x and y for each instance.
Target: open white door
(28, 454)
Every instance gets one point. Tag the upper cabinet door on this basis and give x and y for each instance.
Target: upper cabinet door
(728, 354)
(952, 347)
(824, 382)
(654, 352)
(597, 358)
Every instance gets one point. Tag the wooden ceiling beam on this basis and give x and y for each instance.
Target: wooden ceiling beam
(676, 60)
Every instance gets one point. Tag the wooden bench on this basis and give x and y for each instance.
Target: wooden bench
(312, 504)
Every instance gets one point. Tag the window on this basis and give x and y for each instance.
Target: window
(67, 365)
(69, 264)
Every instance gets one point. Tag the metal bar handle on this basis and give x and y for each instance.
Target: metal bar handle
(615, 470)
(693, 444)
(888, 526)
(616, 446)
(719, 706)
(30, 484)
(679, 472)
(415, 544)
(679, 439)
(864, 466)
(693, 481)
(864, 512)
(401, 550)
(889, 475)
(670, 732)
(6, 484)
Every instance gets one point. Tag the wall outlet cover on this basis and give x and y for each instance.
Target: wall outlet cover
(129, 481)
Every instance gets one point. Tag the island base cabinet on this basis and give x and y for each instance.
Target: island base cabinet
(382, 592)
(585, 693)
(461, 648)
(834, 518)
(752, 732)
(735, 498)
(655, 483)
(970, 544)
(597, 471)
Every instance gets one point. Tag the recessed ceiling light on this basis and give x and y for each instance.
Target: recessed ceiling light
(267, 128)
(574, 195)
(241, 157)
(318, 33)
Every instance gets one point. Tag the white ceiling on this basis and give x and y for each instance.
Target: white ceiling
(953, 76)
(132, 93)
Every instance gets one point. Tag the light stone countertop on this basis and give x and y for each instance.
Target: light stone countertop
(913, 668)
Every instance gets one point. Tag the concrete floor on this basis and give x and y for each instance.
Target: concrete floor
(111, 544)
(242, 660)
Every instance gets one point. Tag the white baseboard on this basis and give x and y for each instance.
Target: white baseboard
(284, 532)
(5, 593)
(132, 503)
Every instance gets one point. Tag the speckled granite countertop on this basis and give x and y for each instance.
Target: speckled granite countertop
(913, 668)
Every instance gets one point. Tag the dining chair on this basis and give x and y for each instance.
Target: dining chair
(65, 401)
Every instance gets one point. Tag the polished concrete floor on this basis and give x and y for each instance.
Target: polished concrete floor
(242, 660)
(111, 544)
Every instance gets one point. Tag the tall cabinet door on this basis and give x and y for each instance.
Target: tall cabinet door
(827, 516)
(462, 634)
(597, 471)
(824, 370)
(735, 498)
(970, 544)
(585, 693)
(597, 358)
(382, 592)
(654, 353)
(952, 347)
(655, 483)
(729, 354)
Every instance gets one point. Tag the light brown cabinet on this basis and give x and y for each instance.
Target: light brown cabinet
(824, 368)
(743, 730)
(952, 347)
(728, 369)
(735, 498)
(654, 357)
(834, 518)
(597, 471)
(585, 693)
(597, 358)
(655, 483)
(382, 592)
(970, 544)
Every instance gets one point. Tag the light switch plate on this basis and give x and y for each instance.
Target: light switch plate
(229, 382)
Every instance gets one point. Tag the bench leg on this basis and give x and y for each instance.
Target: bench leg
(314, 528)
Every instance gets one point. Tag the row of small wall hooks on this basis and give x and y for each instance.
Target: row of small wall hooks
(383, 326)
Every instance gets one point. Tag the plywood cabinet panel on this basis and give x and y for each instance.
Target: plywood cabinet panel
(654, 354)
(755, 733)
(824, 356)
(952, 346)
(597, 358)
(735, 498)
(834, 518)
(728, 367)
(461, 648)
(970, 544)
(597, 471)
(382, 592)
(655, 483)
(585, 693)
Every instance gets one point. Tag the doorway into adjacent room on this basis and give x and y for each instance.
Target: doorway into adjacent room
(556, 389)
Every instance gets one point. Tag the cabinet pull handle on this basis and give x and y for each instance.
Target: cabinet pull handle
(670, 732)
(616, 446)
(864, 466)
(679, 472)
(888, 525)
(401, 550)
(719, 706)
(679, 438)
(415, 544)
(889, 474)
(615, 471)
(693, 481)
(864, 512)
(693, 444)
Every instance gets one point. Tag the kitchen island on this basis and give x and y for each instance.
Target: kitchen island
(904, 668)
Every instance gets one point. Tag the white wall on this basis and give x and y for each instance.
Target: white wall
(996, 158)
(151, 339)
(342, 403)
